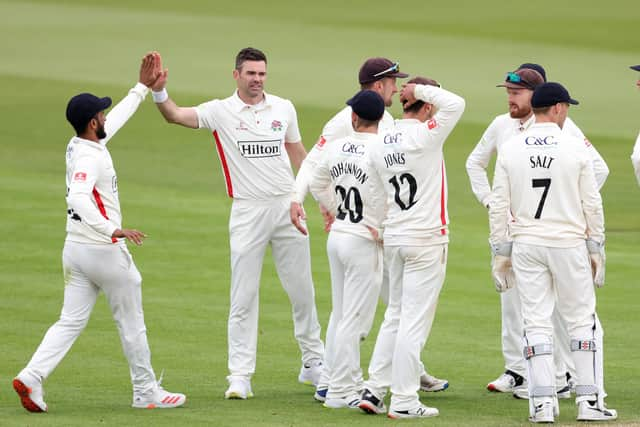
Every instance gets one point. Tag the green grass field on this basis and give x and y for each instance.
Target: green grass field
(171, 187)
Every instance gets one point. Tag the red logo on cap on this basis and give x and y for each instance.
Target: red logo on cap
(432, 123)
(80, 176)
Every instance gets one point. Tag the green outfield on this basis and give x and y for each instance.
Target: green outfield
(172, 188)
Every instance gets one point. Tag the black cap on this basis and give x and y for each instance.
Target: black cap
(83, 107)
(635, 67)
(375, 69)
(548, 94)
(536, 67)
(367, 105)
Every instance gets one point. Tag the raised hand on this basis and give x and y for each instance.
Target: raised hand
(407, 96)
(162, 74)
(148, 73)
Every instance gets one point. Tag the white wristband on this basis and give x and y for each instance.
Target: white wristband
(160, 97)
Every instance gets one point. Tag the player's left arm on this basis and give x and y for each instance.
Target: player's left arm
(123, 111)
(599, 166)
(594, 216)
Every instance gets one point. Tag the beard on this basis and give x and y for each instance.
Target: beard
(100, 133)
(518, 112)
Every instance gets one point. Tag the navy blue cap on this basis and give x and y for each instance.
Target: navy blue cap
(367, 105)
(635, 67)
(536, 67)
(548, 94)
(83, 107)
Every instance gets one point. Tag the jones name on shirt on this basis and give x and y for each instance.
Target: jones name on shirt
(257, 149)
(348, 168)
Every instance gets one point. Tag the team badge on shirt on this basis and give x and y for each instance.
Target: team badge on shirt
(432, 123)
(276, 126)
(80, 176)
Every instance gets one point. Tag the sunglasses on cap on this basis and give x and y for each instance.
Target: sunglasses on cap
(393, 69)
(513, 77)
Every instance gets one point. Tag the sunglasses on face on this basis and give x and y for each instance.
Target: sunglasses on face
(393, 69)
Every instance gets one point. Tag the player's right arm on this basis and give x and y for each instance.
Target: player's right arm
(499, 204)
(635, 159)
(478, 161)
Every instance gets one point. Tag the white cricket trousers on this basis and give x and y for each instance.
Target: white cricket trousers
(88, 269)
(416, 276)
(557, 278)
(512, 328)
(356, 275)
(253, 225)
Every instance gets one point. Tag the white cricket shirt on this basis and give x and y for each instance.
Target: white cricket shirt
(410, 162)
(345, 171)
(502, 129)
(338, 127)
(250, 142)
(544, 179)
(93, 206)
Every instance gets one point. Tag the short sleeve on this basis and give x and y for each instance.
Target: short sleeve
(206, 115)
(293, 131)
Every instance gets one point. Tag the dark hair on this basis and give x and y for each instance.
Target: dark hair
(249, 54)
(416, 106)
(541, 110)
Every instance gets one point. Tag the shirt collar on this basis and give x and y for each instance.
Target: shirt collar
(239, 104)
(546, 125)
(526, 124)
(89, 143)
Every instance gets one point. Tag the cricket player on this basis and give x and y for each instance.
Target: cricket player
(95, 256)
(519, 86)
(635, 156)
(411, 164)
(353, 247)
(257, 138)
(379, 75)
(546, 219)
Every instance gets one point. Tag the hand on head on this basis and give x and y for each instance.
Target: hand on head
(407, 97)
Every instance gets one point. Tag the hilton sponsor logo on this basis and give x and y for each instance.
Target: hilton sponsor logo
(257, 149)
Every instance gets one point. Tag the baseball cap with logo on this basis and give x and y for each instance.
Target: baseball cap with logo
(83, 107)
(524, 78)
(548, 94)
(635, 67)
(375, 69)
(368, 105)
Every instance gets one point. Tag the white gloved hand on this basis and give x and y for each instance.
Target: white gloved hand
(502, 273)
(501, 269)
(598, 258)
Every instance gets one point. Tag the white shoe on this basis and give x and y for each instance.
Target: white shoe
(158, 398)
(371, 404)
(544, 412)
(31, 393)
(505, 383)
(239, 388)
(349, 402)
(421, 411)
(591, 412)
(310, 372)
(431, 383)
(321, 393)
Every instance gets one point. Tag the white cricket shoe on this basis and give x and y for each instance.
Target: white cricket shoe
(420, 411)
(431, 383)
(310, 372)
(321, 393)
(158, 398)
(239, 388)
(505, 383)
(30, 391)
(349, 402)
(371, 404)
(544, 412)
(588, 411)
